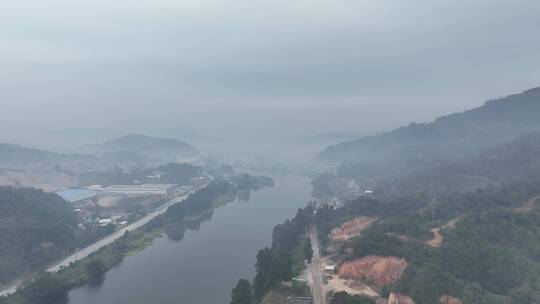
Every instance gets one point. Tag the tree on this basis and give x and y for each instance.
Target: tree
(521, 295)
(308, 250)
(46, 289)
(242, 293)
(95, 269)
(264, 272)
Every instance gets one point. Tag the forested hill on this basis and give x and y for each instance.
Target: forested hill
(516, 161)
(17, 157)
(447, 138)
(145, 144)
(36, 228)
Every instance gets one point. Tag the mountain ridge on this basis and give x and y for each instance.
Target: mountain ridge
(447, 138)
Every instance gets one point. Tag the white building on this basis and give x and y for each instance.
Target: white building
(141, 190)
(105, 222)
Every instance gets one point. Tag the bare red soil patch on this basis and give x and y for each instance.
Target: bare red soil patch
(378, 270)
(397, 298)
(351, 228)
(437, 239)
(529, 205)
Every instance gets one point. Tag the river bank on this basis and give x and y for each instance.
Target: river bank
(212, 256)
(109, 252)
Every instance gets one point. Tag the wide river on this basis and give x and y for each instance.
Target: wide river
(206, 264)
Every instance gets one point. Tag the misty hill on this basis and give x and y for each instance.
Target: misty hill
(18, 157)
(519, 159)
(329, 138)
(145, 145)
(513, 162)
(449, 138)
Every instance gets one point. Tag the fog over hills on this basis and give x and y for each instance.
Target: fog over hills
(144, 144)
(305, 151)
(130, 150)
(215, 68)
(18, 157)
(447, 138)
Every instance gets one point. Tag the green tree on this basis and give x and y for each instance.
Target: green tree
(95, 269)
(242, 293)
(308, 250)
(521, 295)
(46, 289)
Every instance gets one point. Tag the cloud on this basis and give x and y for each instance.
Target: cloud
(151, 64)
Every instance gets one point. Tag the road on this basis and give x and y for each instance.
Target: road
(316, 269)
(81, 254)
(116, 235)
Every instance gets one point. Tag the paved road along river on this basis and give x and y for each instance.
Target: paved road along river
(84, 252)
(206, 264)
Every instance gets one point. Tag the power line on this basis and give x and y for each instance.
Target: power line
(433, 210)
(433, 203)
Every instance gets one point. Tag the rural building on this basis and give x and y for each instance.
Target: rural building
(105, 222)
(153, 178)
(142, 190)
(299, 300)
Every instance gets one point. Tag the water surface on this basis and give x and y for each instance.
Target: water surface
(206, 264)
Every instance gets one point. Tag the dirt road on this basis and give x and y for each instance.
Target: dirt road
(437, 236)
(529, 206)
(316, 269)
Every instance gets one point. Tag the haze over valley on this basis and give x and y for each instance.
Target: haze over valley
(269, 152)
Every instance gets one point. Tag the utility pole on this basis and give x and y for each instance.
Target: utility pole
(433, 210)
(433, 203)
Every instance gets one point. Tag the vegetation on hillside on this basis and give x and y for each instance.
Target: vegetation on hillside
(479, 261)
(449, 138)
(284, 260)
(18, 157)
(37, 228)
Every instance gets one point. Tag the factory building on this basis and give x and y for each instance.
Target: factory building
(78, 197)
(142, 190)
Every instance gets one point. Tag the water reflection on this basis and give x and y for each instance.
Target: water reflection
(176, 231)
(96, 282)
(243, 195)
(204, 267)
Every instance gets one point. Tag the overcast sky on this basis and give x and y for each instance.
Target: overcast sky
(258, 67)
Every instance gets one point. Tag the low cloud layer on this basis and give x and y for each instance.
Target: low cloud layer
(246, 68)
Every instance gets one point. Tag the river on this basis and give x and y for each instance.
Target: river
(206, 264)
